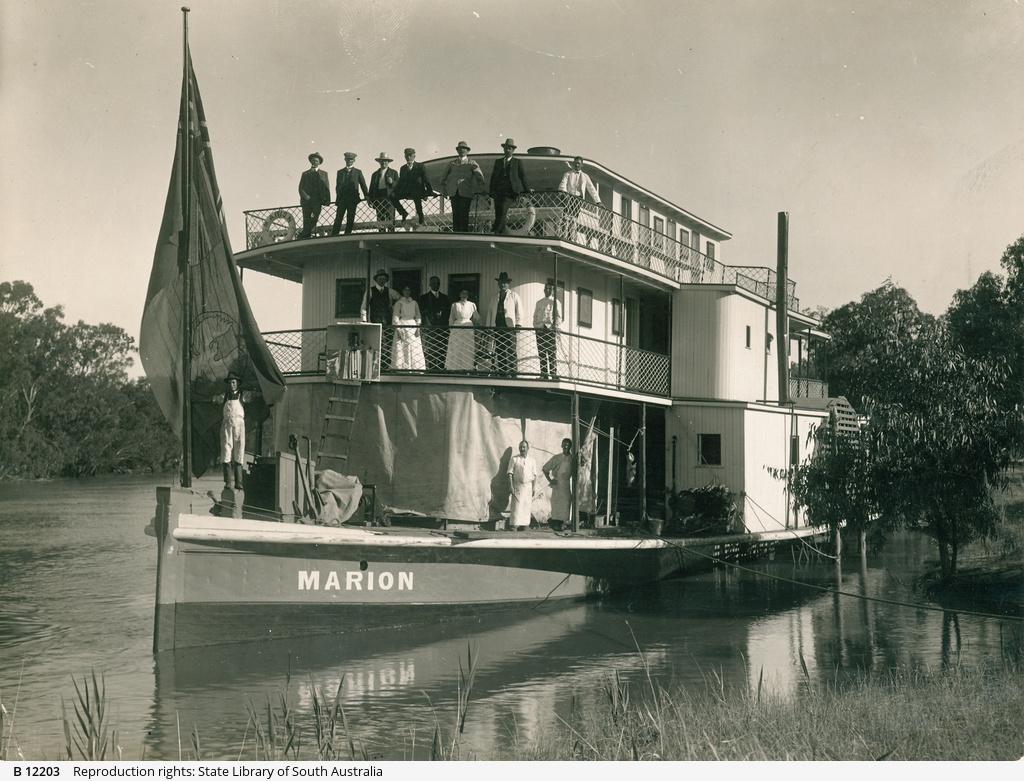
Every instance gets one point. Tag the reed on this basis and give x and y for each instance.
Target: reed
(953, 714)
(88, 735)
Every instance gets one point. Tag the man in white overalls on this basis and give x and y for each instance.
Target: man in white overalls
(232, 432)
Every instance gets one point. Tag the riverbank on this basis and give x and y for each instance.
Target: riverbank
(990, 575)
(952, 714)
(957, 714)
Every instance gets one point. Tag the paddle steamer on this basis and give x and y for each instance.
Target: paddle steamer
(668, 378)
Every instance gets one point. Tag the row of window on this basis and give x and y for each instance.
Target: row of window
(684, 235)
(709, 450)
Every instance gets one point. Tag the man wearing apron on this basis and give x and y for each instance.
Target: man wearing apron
(232, 432)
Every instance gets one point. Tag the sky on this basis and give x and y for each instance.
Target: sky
(892, 132)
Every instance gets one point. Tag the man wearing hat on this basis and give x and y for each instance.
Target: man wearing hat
(508, 182)
(461, 181)
(232, 431)
(382, 194)
(412, 184)
(350, 181)
(377, 308)
(505, 314)
(314, 193)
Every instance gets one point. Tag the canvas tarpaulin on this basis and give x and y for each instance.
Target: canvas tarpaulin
(445, 452)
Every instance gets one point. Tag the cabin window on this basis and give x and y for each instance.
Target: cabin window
(684, 237)
(617, 320)
(659, 233)
(768, 343)
(625, 222)
(586, 307)
(710, 447)
(645, 216)
(709, 250)
(348, 298)
(748, 337)
(794, 450)
(459, 282)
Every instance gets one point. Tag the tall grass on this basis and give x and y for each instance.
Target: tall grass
(956, 713)
(87, 732)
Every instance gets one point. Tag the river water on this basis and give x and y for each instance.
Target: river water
(77, 576)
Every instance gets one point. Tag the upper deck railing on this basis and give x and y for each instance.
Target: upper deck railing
(523, 354)
(541, 214)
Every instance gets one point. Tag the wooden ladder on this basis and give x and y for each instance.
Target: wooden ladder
(336, 434)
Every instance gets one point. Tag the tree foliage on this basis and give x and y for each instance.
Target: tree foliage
(67, 406)
(941, 423)
(863, 334)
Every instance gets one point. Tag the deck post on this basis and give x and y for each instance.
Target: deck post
(611, 472)
(575, 515)
(643, 461)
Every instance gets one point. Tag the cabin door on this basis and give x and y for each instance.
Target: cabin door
(413, 277)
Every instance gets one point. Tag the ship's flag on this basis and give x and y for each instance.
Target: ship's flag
(225, 336)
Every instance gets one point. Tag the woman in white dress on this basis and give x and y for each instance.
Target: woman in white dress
(522, 476)
(461, 345)
(407, 349)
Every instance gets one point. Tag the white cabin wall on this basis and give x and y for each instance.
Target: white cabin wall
(686, 422)
(699, 337)
(528, 274)
(767, 445)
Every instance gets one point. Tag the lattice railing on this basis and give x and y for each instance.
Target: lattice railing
(520, 353)
(544, 214)
(804, 388)
(298, 352)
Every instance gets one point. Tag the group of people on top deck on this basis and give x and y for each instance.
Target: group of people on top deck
(461, 181)
(448, 341)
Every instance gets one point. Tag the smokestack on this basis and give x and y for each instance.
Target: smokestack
(781, 307)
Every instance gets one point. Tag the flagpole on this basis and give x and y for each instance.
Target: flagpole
(186, 190)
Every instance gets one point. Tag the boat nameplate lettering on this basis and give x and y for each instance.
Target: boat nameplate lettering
(354, 580)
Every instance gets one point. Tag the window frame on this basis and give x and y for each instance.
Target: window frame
(351, 283)
(584, 305)
(618, 318)
(701, 438)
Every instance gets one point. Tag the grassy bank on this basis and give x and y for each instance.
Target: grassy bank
(958, 714)
(954, 714)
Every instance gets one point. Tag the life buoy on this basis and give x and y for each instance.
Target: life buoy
(527, 226)
(270, 224)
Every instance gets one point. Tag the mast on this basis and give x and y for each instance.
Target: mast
(185, 246)
(781, 307)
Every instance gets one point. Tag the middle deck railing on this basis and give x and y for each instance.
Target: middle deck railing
(525, 354)
(541, 214)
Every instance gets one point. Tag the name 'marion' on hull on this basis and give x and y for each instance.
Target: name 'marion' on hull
(377, 488)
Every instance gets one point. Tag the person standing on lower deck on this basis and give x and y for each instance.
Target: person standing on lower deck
(558, 470)
(232, 432)
(522, 478)
(506, 316)
(314, 194)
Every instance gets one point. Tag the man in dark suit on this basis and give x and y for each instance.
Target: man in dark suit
(314, 193)
(508, 182)
(412, 184)
(350, 181)
(435, 308)
(382, 193)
